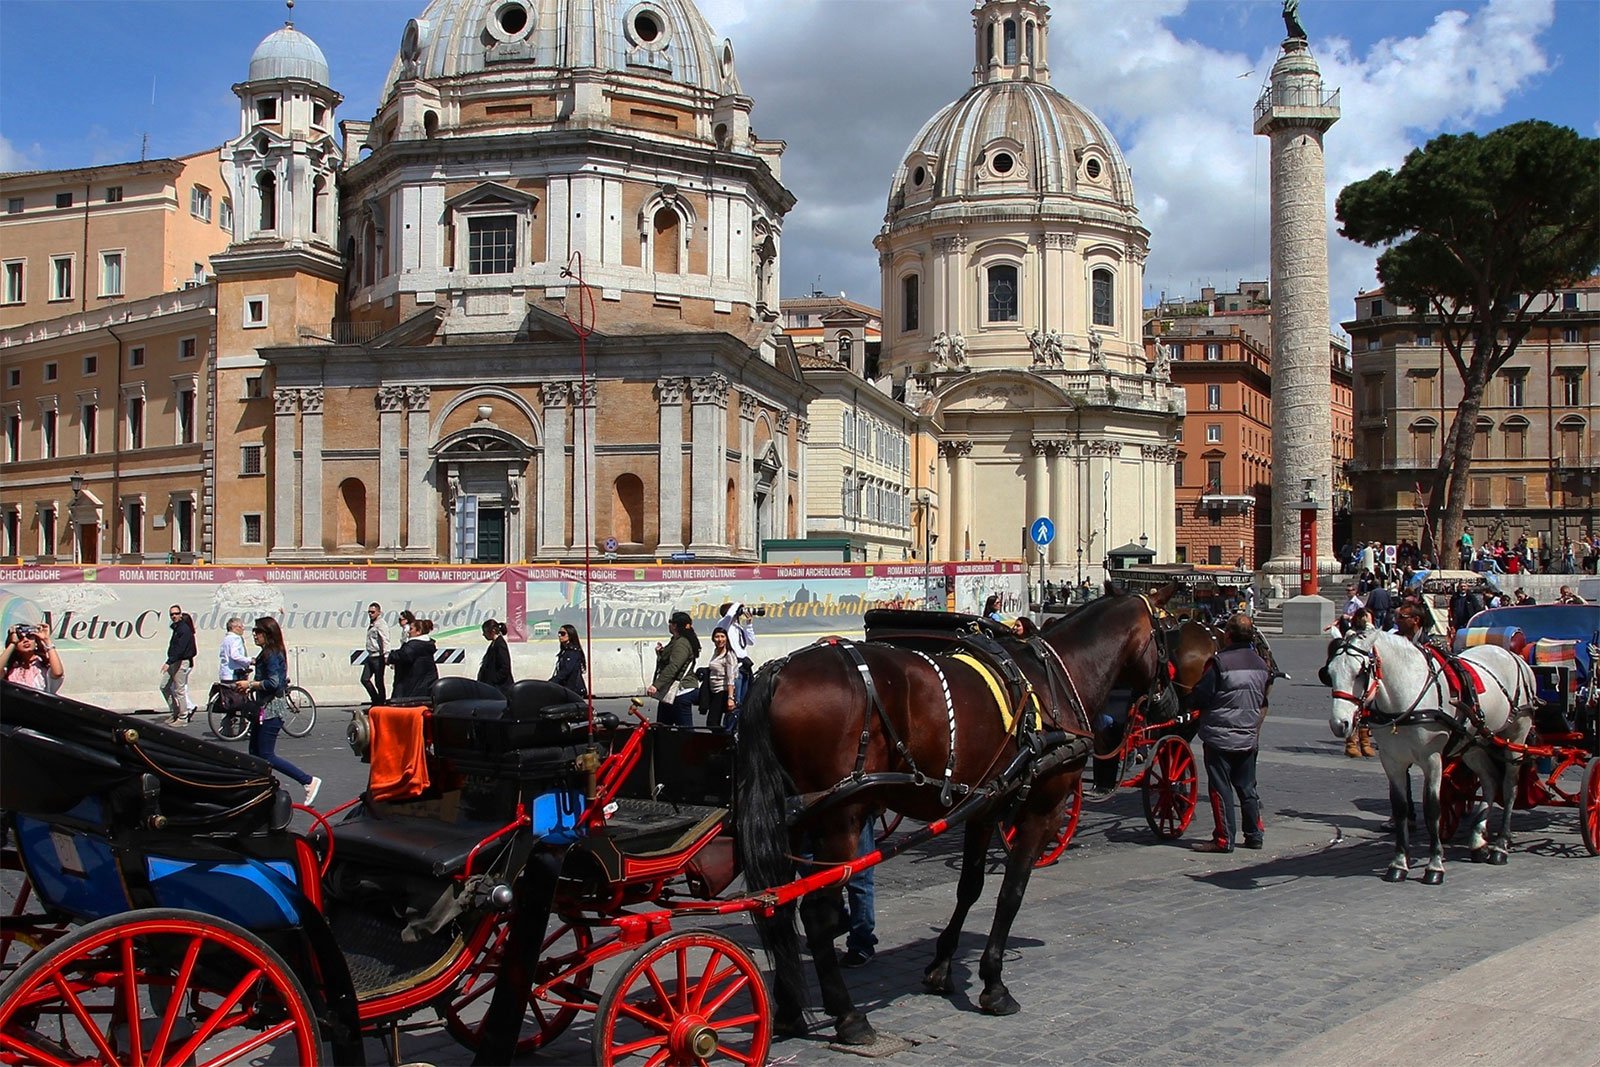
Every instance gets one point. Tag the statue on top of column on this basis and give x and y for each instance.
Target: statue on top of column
(1291, 19)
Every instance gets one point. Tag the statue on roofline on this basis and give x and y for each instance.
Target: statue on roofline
(1291, 19)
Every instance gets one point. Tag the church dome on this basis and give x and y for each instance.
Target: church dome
(288, 53)
(1013, 137)
(666, 39)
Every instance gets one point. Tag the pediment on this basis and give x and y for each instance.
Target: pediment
(998, 392)
(490, 195)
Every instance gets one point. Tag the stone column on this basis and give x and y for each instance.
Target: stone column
(1038, 491)
(516, 524)
(802, 506)
(670, 537)
(1057, 281)
(960, 499)
(285, 528)
(421, 516)
(707, 506)
(945, 480)
(583, 401)
(311, 470)
(1061, 513)
(1295, 112)
(391, 398)
(553, 491)
(745, 537)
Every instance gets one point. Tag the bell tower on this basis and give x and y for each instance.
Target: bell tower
(1011, 41)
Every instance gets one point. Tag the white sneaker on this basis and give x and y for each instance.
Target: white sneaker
(312, 788)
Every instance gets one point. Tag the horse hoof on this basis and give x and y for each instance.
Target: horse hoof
(786, 1028)
(1497, 857)
(1480, 855)
(853, 1029)
(1433, 878)
(998, 1002)
(936, 979)
(1394, 874)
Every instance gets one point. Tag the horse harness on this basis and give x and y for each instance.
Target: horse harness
(1414, 716)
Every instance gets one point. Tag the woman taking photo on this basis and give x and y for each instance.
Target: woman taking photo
(569, 661)
(722, 672)
(495, 669)
(414, 669)
(30, 659)
(269, 690)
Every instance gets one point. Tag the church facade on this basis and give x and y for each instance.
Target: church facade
(1012, 260)
(529, 308)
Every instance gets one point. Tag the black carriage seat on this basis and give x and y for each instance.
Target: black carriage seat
(377, 836)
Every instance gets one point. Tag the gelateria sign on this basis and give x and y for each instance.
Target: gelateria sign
(112, 628)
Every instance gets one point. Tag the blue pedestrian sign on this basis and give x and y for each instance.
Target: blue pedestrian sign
(1042, 532)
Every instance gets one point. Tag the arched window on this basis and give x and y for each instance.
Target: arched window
(732, 528)
(1027, 40)
(1480, 439)
(319, 202)
(1104, 308)
(1010, 42)
(844, 344)
(1569, 432)
(666, 241)
(1422, 453)
(369, 254)
(1516, 429)
(988, 42)
(430, 124)
(910, 304)
(1002, 293)
(352, 521)
(627, 510)
(267, 197)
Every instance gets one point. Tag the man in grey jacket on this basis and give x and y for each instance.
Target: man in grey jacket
(377, 654)
(1232, 699)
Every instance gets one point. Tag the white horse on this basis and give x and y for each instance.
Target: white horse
(1406, 699)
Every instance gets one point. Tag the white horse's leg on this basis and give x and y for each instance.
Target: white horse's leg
(1488, 774)
(1395, 766)
(1432, 775)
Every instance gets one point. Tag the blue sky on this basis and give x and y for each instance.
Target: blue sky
(1165, 74)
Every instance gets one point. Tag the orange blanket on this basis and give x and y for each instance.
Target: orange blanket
(399, 754)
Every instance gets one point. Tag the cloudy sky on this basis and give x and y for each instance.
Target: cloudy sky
(847, 83)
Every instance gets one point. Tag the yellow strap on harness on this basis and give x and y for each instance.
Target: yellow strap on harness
(1002, 701)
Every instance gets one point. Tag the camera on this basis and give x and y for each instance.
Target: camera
(759, 613)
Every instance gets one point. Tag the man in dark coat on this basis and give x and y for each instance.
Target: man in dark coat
(1232, 698)
(1381, 604)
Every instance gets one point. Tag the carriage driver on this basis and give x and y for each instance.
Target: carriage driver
(1232, 699)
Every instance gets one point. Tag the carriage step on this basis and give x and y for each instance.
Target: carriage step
(380, 962)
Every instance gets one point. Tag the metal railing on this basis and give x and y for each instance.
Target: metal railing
(342, 333)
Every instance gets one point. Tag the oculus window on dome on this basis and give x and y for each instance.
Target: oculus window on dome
(649, 37)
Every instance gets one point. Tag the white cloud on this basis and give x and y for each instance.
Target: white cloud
(823, 81)
(14, 158)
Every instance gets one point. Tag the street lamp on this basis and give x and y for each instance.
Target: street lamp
(983, 549)
(929, 538)
(72, 517)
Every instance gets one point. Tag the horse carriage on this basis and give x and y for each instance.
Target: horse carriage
(1560, 760)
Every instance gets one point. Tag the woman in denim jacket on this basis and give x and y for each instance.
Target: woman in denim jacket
(270, 688)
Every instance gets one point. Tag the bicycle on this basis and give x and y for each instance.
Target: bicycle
(302, 713)
(232, 722)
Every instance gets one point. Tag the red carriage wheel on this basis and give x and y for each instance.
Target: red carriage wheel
(887, 823)
(685, 998)
(1589, 807)
(563, 950)
(1171, 788)
(1458, 786)
(1057, 845)
(157, 986)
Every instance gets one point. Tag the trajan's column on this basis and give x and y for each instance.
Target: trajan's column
(1295, 111)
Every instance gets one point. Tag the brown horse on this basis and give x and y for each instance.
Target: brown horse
(925, 739)
(1190, 646)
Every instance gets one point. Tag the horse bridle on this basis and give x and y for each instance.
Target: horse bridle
(1370, 662)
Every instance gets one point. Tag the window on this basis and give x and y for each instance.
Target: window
(910, 303)
(1182, 555)
(52, 371)
(225, 214)
(1213, 398)
(1214, 552)
(14, 205)
(1213, 351)
(1572, 389)
(1104, 313)
(1175, 353)
(666, 241)
(91, 365)
(252, 529)
(1480, 492)
(1213, 476)
(492, 244)
(1422, 454)
(254, 387)
(183, 525)
(48, 419)
(136, 356)
(184, 402)
(136, 422)
(63, 200)
(1571, 335)
(1213, 433)
(1514, 388)
(1002, 293)
(250, 459)
(1424, 339)
(89, 419)
(1377, 309)
(133, 526)
(11, 523)
(200, 203)
(844, 344)
(319, 115)
(1480, 439)
(14, 292)
(13, 437)
(1516, 440)
(1569, 301)
(110, 273)
(113, 194)
(267, 201)
(1421, 392)
(1372, 394)
(267, 109)
(60, 277)
(186, 348)
(47, 530)
(255, 312)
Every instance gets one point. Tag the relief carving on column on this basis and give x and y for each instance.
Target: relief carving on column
(671, 390)
(802, 429)
(1066, 241)
(391, 397)
(712, 389)
(311, 400)
(1042, 446)
(944, 245)
(417, 397)
(554, 394)
(1138, 255)
(285, 400)
(782, 419)
(956, 448)
(583, 394)
(1163, 453)
(749, 407)
(1059, 446)
(1103, 448)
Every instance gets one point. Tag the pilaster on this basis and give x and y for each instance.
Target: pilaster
(311, 471)
(391, 491)
(707, 498)
(285, 476)
(553, 487)
(669, 392)
(421, 521)
(583, 402)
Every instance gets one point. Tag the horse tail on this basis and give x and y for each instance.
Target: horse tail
(762, 833)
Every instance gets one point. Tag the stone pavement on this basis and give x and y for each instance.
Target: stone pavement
(1130, 951)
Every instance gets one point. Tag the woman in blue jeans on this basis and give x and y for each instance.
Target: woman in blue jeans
(269, 688)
